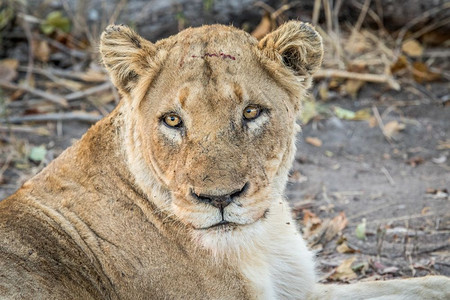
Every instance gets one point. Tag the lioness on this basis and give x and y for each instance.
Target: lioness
(178, 193)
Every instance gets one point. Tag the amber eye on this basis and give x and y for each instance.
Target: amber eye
(251, 112)
(172, 120)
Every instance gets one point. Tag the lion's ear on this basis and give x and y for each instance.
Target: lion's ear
(125, 55)
(295, 44)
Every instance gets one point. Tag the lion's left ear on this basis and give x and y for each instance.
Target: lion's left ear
(295, 44)
(126, 55)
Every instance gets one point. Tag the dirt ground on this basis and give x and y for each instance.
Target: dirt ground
(400, 187)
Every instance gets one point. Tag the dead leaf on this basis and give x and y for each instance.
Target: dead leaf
(311, 223)
(41, 51)
(439, 160)
(323, 92)
(421, 73)
(425, 210)
(438, 193)
(316, 142)
(264, 27)
(8, 69)
(345, 272)
(400, 64)
(415, 161)
(345, 114)
(443, 145)
(297, 177)
(352, 87)
(345, 248)
(392, 128)
(360, 230)
(373, 122)
(412, 48)
(310, 219)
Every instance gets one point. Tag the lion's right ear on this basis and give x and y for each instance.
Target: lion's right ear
(296, 45)
(125, 55)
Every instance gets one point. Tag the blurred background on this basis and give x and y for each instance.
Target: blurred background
(370, 184)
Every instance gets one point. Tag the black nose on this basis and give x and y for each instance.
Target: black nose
(220, 201)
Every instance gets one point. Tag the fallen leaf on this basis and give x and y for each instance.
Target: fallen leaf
(392, 128)
(316, 142)
(343, 113)
(415, 161)
(264, 27)
(297, 177)
(41, 51)
(412, 48)
(55, 21)
(345, 248)
(425, 210)
(400, 64)
(361, 267)
(439, 160)
(360, 230)
(37, 154)
(323, 91)
(311, 223)
(373, 122)
(352, 87)
(421, 73)
(309, 111)
(8, 69)
(438, 193)
(344, 271)
(443, 145)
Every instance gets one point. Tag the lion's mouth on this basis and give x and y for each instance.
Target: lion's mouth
(224, 224)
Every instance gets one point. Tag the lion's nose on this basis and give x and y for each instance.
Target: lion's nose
(220, 201)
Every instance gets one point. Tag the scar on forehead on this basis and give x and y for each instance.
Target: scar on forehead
(183, 95)
(221, 54)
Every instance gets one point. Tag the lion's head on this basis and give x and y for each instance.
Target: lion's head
(210, 117)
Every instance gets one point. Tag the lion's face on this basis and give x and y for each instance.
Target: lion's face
(213, 118)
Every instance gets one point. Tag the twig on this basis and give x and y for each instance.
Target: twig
(25, 129)
(380, 78)
(93, 90)
(362, 15)
(417, 20)
(50, 97)
(117, 11)
(26, 29)
(72, 52)
(327, 9)
(6, 165)
(388, 176)
(430, 27)
(376, 113)
(83, 76)
(70, 116)
(316, 11)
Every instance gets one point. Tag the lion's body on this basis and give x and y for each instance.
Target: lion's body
(112, 243)
(143, 208)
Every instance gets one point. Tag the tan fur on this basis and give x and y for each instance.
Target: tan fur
(116, 216)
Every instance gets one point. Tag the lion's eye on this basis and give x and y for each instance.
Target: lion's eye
(251, 112)
(172, 120)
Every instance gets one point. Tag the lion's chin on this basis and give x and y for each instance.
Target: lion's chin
(230, 239)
